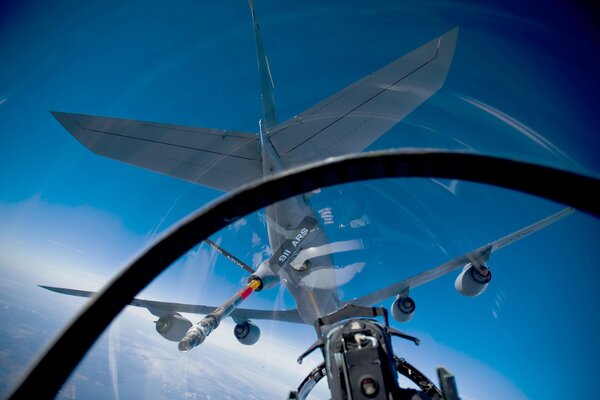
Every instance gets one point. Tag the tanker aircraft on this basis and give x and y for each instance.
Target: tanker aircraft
(344, 123)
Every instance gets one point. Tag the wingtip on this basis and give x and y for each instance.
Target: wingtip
(52, 288)
(452, 34)
(60, 116)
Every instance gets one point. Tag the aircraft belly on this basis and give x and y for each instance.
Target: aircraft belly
(311, 303)
(312, 300)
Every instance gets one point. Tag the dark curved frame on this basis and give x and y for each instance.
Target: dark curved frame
(52, 369)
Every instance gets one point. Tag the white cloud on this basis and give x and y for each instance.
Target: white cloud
(257, 258)
(219, 368)
(256, 240)
(239, 224)
(327, 278)
(76, 246)
(222, 368)
(56, 244)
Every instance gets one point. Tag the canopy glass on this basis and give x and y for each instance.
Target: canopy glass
(518, 86)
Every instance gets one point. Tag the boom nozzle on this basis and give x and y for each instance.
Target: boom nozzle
(197, 334)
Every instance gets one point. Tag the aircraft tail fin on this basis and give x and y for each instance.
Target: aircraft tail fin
(266, 79)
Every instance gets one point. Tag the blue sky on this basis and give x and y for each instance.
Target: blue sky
(520, 86)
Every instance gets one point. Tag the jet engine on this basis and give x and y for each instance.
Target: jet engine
(173, 327)
(246, 333)
(403, 308)
(471, 281)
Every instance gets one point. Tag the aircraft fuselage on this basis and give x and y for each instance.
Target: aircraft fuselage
(283, 218)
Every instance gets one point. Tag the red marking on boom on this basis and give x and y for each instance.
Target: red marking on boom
(246, 292)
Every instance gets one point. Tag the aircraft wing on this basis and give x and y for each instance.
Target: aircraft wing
(479, 255)
(219, 159)
(355, 117)
(160, 308)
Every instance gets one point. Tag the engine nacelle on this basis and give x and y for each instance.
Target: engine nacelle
(471, 282)
(173, 327)
(403, 309)
(246, 333)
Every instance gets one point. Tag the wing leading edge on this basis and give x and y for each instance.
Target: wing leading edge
(219, 159)
(477, 256)
(160, 308)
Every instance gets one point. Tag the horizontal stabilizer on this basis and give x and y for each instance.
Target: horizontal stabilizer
(355, 117)
(219, 159)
